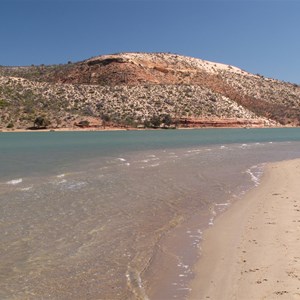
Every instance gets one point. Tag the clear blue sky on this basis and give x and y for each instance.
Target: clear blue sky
(258, 36)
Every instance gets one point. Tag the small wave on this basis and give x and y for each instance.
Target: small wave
(124, 161)
(58, 182)
(145, 160)
(135, 284)
(243, 146)
(27, 188)
(154, 165)
(255, 172)
(211, 221)
(14, 181)
(148, 160)
(76, 185)
(194, 150)
(152, 158)
(125, 164)
(184, 288)
(70, 185)
(223, 147)
(222, 204)
(214, 214)
(61, 175)
(62, 181)
(196, 239)
(253, 177)
(121, 159)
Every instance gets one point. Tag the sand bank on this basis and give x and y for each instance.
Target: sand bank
(253, 250)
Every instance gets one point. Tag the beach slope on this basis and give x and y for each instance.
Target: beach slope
(252, 251)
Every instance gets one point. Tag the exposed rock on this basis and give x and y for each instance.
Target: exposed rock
(130, 88)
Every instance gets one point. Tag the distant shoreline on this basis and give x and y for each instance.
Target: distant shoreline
(89, 129)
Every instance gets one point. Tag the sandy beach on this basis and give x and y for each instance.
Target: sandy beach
(253, 250)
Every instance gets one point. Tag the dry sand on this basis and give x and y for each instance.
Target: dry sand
(253, 250)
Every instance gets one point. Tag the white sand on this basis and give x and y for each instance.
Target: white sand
(253, 250)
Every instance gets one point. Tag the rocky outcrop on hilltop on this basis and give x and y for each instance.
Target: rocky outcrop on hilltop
(130, 89)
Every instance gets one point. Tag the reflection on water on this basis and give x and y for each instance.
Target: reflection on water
(106, 230)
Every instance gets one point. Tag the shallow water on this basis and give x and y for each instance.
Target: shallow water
(119, 215)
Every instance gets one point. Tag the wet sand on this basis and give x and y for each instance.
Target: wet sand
(252, 251)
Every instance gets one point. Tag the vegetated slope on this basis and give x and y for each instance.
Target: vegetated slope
(132, 88)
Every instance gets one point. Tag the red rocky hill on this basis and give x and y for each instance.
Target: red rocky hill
(131, 88)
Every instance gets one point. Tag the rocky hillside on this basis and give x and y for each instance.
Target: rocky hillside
(134, 89)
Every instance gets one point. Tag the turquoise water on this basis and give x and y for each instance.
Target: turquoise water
(38, 152)
(119, 215)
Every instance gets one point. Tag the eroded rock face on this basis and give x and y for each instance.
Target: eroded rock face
(138, 68)
(137, 86)
(106, 61)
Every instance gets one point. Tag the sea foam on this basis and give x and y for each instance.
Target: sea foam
(255, 173)
(14, 181)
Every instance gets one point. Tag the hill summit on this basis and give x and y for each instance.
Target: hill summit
(144, 89)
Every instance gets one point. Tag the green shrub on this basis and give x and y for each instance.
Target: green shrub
(41, 122)
(84, 123)
(167, 120)
(155, 121)
(3, 103)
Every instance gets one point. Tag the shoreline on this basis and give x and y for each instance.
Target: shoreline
(251, 251)
(100, 129)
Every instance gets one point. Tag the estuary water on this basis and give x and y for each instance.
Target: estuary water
(119, 215)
